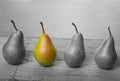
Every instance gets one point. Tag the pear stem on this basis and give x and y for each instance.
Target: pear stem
(109, 31)
(14, 25)
(42, 27)
(75, 27)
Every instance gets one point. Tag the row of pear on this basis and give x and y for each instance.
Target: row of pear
(14, 50)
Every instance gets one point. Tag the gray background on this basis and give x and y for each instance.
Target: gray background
(91, 16)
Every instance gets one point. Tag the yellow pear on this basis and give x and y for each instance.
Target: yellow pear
(45, 52)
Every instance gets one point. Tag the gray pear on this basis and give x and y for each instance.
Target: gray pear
(75, 55)
(14, 50)
(105, 55)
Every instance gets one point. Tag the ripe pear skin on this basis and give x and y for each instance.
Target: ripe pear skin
(45, 52)
(14, 50)
(75, 55)
(105, 55)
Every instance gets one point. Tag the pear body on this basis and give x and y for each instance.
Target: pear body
(45, 52)
(75, 54)
(14, 50)
(105, 55)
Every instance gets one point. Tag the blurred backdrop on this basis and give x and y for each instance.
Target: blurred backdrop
(92, 17)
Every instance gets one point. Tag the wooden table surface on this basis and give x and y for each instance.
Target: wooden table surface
(30, 70)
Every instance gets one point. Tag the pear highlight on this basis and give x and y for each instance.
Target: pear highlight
(14, 50)
(75, 55)
(44, 52)
(105, 55)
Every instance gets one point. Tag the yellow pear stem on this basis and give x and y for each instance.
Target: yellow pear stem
(109, 31)
(75, 27)
(42, 27)
(14, 25)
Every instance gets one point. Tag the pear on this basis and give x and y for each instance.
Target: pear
(75, 55)
(14, 50)
(105, 55)
(45, 52)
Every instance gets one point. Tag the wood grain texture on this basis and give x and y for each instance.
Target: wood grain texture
(30, 70)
